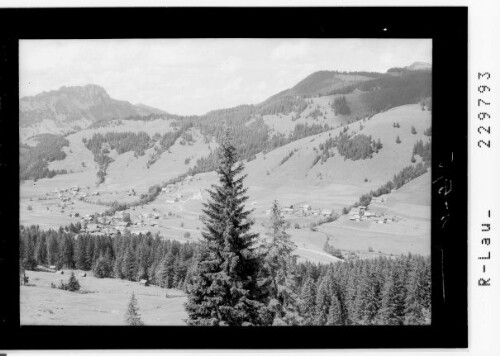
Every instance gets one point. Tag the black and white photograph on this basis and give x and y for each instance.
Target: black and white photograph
(225, 182)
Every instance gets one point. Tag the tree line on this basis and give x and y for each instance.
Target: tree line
(390, 91)
(126, 256)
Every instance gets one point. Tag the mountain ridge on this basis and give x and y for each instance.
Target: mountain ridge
(71, 108)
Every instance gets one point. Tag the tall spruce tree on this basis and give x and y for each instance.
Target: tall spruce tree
(393, 298)
(29, 261)
(334, 312)
(132, 317)
(308, 301)
(323, 301)
(417, 303)
(225, 289)
(279, 266)
(166, 272)
(129, 265)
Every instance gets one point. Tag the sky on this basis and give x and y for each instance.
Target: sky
(194, 76)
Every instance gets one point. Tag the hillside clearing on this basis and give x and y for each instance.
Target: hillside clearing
(103, 302)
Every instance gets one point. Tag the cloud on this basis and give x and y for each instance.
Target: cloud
(292, 50)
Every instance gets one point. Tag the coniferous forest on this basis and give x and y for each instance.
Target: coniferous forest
(235, 277)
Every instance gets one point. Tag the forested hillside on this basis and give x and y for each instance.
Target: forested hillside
(367, 92)
(33, 161)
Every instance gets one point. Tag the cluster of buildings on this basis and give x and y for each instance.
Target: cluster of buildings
(109, 225)
(67, 196)
(362, 214)
(304, 210)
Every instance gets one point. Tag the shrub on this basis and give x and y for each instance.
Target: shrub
(370, 249)
(365, 199)
(73, 285)
(296, 226)
(398, 140)
(332, 250)
(346, 210)
(30, 207)
(413, 130)
(413, 160)
(316, 160)
(327, 219)
(102, 268)
(187, 235)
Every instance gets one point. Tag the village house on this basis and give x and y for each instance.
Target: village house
(306, 207)
(327, 212)
(314, 211)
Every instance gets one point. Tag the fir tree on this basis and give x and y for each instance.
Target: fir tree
(102, 268)
(66, 257)
(368, 297)
(80, 253)
(165, 276)
(323, 301)
(41, 250)
(52, 250)
(117, 267)
(132, 317)
(225, 289)
(129, 265)
(279, 266)
(393, 301)
(29, 261)
(334, 312)
(308, 301)
(417, 302)
(73, 285)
